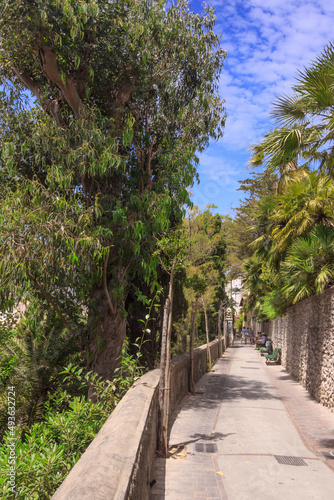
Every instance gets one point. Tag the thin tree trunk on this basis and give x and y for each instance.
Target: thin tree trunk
(164, 389)
(208, 353)
(225, 331)
(219, 327)
(191, 347)
(232, 329)
(165, 415)
(162, 432)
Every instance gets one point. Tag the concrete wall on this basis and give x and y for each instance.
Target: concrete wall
(118, 463)
(306, 336)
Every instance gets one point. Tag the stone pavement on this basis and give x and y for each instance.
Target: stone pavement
(250, 432)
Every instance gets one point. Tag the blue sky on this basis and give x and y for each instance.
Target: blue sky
(267, 42)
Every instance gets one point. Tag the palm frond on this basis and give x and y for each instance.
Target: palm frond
(289, 110)
(324, 277)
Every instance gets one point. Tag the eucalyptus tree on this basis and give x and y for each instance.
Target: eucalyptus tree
(125, 93)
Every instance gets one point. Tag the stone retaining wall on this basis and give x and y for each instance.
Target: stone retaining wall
(118, 463)
(306, 337)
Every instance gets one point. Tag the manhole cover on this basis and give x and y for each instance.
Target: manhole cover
(281, 459)
(211, 448)
(206, 447)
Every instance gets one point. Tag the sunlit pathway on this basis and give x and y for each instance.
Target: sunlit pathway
(228, 441)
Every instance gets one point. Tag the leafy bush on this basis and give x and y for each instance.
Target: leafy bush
(33, 353)
(55, 419)
(46, 451)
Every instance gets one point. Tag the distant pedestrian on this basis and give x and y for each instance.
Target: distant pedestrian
(244, 335)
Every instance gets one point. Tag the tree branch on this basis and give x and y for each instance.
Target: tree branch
(122, 96)
(51, 106)
(50, 67)
(148, 168)
(105, 285)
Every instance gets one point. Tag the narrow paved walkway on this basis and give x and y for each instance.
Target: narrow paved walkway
(229, 440)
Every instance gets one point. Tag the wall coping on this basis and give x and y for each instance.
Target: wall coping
(109, 467)
(106, 457)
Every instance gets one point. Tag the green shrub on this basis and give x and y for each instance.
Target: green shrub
(46, 451)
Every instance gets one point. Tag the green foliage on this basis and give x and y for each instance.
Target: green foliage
(205, 272)
(309, 265)
(47, 451)
(306, 202)
(306, 122)
(250, 221)
(296, 223)
(292, 223)
(132, 366)
(264, 285)
(31, 358)
(126, 94)
(239, 322)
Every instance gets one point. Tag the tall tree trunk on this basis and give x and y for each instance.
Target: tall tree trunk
(219, 328)
(162, 432)
(164, 389)
(191, 347)
(208, 353)
(225, 330)
(106, 334)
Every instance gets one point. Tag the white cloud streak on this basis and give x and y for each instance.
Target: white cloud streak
(267, 42)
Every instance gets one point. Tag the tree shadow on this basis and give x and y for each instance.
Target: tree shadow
(216, 436)
(213, 389)
(327, 443)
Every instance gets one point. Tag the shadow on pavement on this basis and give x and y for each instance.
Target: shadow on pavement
(217, 389)
(327, 443)
(216, 436)
(243, 388)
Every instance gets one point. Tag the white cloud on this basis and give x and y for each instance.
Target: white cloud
(267, 42)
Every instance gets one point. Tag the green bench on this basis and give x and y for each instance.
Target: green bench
(263, 350)
(275, 356)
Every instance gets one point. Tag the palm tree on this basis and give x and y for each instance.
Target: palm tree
(307, 201)
(309, 265)
(296, 226)
(253, 282)
(306, 123)
(39, 350)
